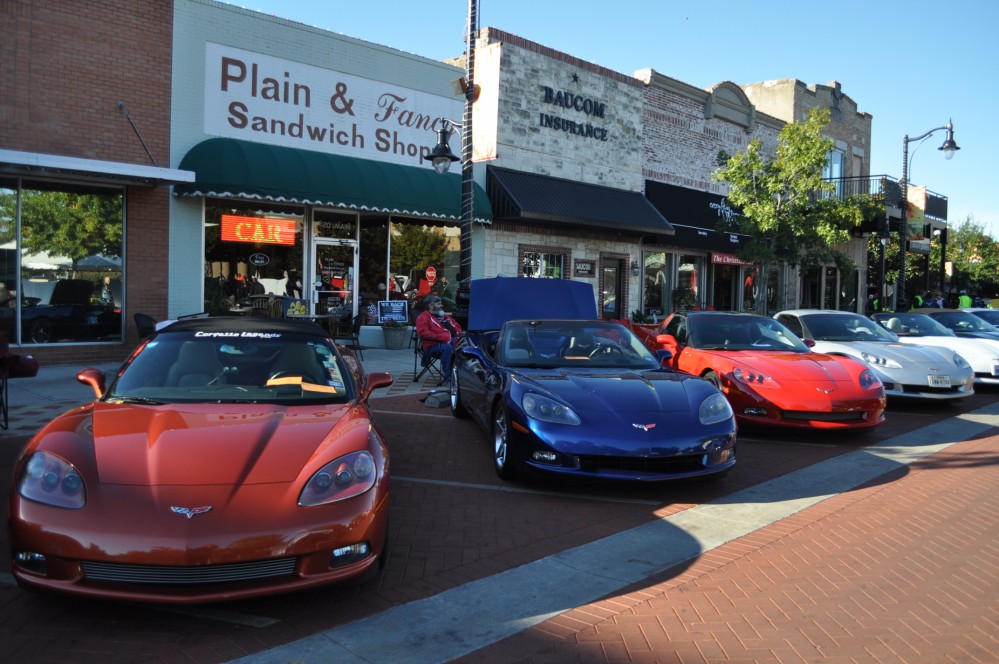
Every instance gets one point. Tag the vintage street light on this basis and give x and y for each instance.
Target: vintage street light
(949, 147)
(441, 158)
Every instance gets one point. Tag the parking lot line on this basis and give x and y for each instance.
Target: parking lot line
(538, 492)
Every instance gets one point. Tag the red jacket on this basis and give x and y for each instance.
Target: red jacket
(432, 331)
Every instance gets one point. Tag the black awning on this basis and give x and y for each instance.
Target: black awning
(696, 216)
(526, 197)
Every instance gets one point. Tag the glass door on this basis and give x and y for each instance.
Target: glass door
(610, 296)
(335, 281)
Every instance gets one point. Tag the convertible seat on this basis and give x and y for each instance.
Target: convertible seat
(299, 359)
(197, 364)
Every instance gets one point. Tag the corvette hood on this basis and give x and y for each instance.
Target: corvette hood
(789, 366)
(904, 354)
(216, 444)
(615, 392)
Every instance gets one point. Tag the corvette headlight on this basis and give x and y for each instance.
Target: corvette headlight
(754, 378)
(346, 477)
(714, 409)
(960, 362)
(51, 480)
(879, 361)
(868, 380)
(547, 410)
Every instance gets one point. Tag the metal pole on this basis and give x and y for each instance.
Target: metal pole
(943, 257)
(903, 232)
(467, 179)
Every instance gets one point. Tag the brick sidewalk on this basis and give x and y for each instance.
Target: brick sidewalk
(904, 569)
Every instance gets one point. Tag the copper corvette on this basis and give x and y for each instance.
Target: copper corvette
(228, 458)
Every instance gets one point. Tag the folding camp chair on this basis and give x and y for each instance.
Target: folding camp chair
(429, 362)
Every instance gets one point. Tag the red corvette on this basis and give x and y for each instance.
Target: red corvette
(770, 377)
(228, 458)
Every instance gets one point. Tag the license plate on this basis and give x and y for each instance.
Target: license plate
(939, 381)
(995, 369)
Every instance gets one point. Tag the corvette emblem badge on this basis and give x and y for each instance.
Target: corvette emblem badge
(189, 512)
(644, 427)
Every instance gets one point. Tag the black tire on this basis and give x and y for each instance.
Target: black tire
(41, 331)
(454, 392)
(713, 378)
(503, 460)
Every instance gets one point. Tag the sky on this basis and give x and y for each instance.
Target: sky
(913, 66)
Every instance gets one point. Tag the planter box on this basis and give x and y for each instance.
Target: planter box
(397, 337)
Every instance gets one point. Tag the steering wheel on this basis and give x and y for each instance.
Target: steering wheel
(606, 349)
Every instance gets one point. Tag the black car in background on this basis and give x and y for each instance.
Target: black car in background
(75, 311)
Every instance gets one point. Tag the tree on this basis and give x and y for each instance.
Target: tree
(417, 247)
(73, 225)
(975, 257)
(789, 212)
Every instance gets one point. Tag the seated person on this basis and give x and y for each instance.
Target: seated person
(438, 334)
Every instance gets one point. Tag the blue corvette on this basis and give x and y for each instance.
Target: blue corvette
(575, 396)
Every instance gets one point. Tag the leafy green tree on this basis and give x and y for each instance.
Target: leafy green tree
(975, 256)
(790, 213)
(417, 248)
(70, 224)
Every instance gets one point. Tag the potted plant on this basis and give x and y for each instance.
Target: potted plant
(396, 334)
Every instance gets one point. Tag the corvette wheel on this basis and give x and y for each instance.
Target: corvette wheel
(41, 331)
(712, 378)
(503, 461)
(457, 409)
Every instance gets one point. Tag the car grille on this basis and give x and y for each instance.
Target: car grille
(170, 575)
(822, 417)
(664, 466)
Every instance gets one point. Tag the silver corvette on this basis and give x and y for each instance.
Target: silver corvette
(908, 371)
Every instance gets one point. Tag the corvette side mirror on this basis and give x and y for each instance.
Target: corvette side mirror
(95, 378)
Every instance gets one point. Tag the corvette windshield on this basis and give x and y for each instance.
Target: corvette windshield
(842, 327)
(194, 367)
(742, 332)
(588, 344)
(913, 325)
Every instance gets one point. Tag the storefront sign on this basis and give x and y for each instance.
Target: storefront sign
(584, 267)
(259, 260)
(728, 259)
(259, 98)
(259, 230)
(576, 103)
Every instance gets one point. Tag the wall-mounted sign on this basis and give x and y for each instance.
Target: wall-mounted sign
(259, 230)
(584, 267)
(260, 260)
(260, 98)
(728, 259)
(577, 104)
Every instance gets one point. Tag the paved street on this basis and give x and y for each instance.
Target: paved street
(877, 548)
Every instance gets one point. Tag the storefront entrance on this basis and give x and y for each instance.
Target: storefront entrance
(611, 292)
(336, 264)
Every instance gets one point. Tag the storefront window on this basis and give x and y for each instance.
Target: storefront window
(543, 265)
(251, 248)
(423, 261)
(69, 288)
(687, 294)
(655, 283)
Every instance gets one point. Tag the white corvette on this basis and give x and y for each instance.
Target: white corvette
(908, 371)
(910, 328)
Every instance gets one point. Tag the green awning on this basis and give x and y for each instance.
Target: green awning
(230, 168)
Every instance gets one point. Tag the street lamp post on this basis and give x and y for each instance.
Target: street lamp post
(441, 158)
(949, 147)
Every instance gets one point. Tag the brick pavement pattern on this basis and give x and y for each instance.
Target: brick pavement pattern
(904, 569)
